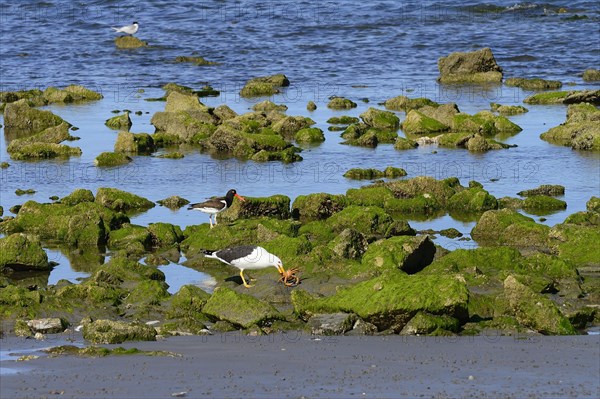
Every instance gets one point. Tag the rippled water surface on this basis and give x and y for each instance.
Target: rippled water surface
(362, 50)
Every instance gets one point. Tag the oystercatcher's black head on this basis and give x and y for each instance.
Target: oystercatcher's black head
(232, 193)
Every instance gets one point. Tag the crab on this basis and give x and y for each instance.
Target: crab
(289, 277)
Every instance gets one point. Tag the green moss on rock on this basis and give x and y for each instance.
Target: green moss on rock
(534, 310)
(173, 202)
(22, 252)
(116, 332)
(409, 254)
(275, 206)
(77, 196)
(119, 122)
(111, 159)
(591, 75)
(552, 97)
(131, 237)
(544, 190)
(382, 120)
(341, 103)
(508, 109)
(390, 301)
(472, 200)
(469, 67)
(542, 204)
(507, 227)
(533, 83)
(239, 309)
(417, 122)
(165, 235)
(403, 103)
(129, 42)
(317, 206)
(120, 200)
(426, 324)
(309, 135)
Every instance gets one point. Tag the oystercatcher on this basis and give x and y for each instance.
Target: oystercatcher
(215, 205)
(128, 29)
(246, 257)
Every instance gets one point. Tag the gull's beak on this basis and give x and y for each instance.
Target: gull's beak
(280, 269)
(240, 197)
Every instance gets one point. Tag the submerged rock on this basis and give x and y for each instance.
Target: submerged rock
(198, 61)
(508, 109)
(472, 67)
(22, 252)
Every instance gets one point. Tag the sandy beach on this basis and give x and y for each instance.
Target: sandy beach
(302, 366)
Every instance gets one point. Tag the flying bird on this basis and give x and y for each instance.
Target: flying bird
(214, 206)
(128, 29)
(246, 257)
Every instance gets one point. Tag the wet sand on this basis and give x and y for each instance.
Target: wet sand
(294, 366)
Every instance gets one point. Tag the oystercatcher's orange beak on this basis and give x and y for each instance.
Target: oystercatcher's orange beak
(240, 197)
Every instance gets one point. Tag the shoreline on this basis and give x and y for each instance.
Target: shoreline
(297, 365)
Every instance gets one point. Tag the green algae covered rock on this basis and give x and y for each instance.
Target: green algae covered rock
(470, 67)
(533, 83)
(507, 227)
(378, 119)
(402, 143)
(19, 301)
(369, 220)
(417, 122)
(341, 103)
(275, 206)
(264, 86)
(370, 174)
(22, 252)
(543, 204)
(132, 238)
(165, 235)
(135, 143)
(577, 244)
(120, 200)
(403, 103)
(544, 190)
(116, 332)
(198, 61)
(472, 200)
(40, 150)
(119, 122)
(581, 130)
(550, 97)
(84, 224)
(409, 254)
(129, 42)
(77, 196)
(20, 118)
(485, 123)
(593, 204)
(427, 324)
(591, 75)
(111, 159)
(239, 309)
(309, 135)
(534, 310)
(317, 206)
(173, 202)
(390, 301)
(188, 302)
(508, 109)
